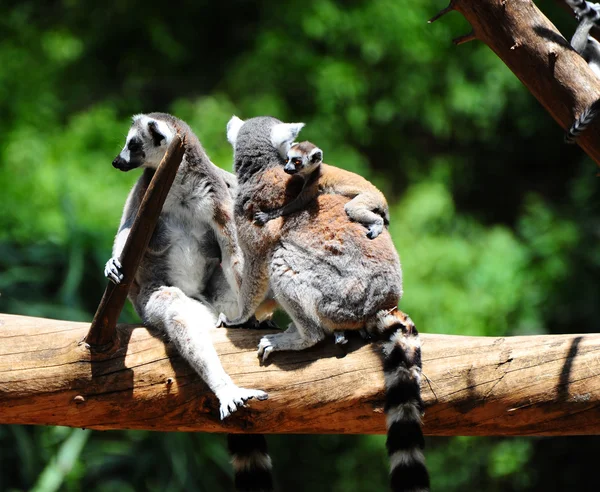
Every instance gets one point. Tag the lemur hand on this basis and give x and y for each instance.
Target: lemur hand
(374, 230)
(112, 271)
(261, 218)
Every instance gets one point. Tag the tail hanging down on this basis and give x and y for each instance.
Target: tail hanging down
(403, 404)
(585, 119)
(251, 462)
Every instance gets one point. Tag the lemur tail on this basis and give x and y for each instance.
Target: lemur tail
(251, 462)
(403, 404)
(585, 119)
(584, 9)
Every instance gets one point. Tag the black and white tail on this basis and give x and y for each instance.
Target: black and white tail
(251, 462)
(585, 119)
(403, 404)
(584, 9)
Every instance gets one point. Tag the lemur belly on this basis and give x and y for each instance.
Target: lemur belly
(189, 269)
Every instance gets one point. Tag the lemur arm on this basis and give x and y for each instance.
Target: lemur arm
(112, 270)
(254, 290)
(306, 195)
(300, 202)
(224, 228)
(371, 210)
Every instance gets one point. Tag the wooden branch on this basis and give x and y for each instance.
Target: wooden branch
(102, 331)
(540, 56)
(536, 385)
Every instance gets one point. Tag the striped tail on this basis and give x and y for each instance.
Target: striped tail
(403, 404)
(584, 9)
(251, 462)
(585, 119)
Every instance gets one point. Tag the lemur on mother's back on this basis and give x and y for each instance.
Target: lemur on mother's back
(192, 268)
(329, 277)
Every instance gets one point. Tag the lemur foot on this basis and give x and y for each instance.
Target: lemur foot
(112, 271)
(340, 338)
(374, 230)
(261, 218)
(265, 347)
(232, 398)
(251, 324)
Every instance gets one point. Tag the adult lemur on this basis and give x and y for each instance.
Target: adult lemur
(179, 284)
(589, 48)
(329, 277)
(191, 270)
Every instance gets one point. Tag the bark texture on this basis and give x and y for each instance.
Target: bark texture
(538, 54)
(536, 385)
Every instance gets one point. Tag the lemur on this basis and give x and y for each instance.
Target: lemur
(192, 268)
(367, 206)
(589, 49)
(328, 277)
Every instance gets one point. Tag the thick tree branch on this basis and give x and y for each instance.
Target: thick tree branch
(540, 56)
(537, 385)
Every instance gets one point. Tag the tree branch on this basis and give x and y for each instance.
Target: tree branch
(531, 46)
(536, 385)
(102, 330)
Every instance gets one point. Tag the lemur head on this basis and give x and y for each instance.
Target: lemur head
(303, 158)
(146, 143)
(264, 136)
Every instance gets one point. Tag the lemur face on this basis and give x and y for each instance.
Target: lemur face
(146, 144)
(303, 158)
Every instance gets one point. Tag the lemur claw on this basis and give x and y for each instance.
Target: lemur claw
(265, 348)
(223, 322)
(112, 271)
(374, 231)
(261, 218)
(233, 398)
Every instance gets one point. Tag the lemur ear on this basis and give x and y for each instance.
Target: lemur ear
(233, 128)
(155, 133)
(283, 134)
(316, 155)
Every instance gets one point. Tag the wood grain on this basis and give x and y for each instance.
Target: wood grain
(535, 385)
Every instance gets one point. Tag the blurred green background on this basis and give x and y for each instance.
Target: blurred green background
(496, 220)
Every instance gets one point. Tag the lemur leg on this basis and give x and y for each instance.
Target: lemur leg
(301, 334)
(254, 290)
(359, 210)
(186, 322)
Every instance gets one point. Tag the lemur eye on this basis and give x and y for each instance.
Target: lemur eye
(287, 160)
(296, 160)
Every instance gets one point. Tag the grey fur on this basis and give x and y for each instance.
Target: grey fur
(191, 270)
(367, 205)
(329, 278)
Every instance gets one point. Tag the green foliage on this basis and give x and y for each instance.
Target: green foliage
(495, 220)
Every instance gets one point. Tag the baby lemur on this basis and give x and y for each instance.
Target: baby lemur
(367, 205)
(328, 277)
(191, 270)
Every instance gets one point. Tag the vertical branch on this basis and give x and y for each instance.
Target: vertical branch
(102, 330)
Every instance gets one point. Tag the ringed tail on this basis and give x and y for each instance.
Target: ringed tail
(251, 462)
(403, 404)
